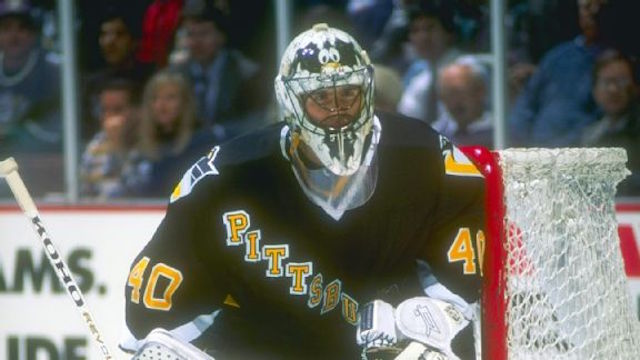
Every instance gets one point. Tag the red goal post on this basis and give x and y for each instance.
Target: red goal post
(493, 323)
(554, 282)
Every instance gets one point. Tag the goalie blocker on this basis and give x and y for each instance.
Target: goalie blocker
(420, 327)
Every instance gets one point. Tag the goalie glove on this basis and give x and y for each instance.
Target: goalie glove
(423, 321)
(376, 332)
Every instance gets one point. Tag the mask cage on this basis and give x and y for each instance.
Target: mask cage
(299, 87)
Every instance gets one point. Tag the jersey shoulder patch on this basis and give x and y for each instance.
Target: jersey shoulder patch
(456, 163)
(203, 167)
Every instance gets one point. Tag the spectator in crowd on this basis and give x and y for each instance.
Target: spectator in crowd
(110, 164)
(470, 17)
(226, 84)
(30, 123)
(159, 25)
(169, 141)
(388, 88)
(541, 30)
(388, 48)
(432, 36)
(462, 88)
(90, 15)
(518, 75)
(531, 25)
(369, 18)
(29, 84)
(617, 21)
(118, 39)
(615, 90)
(316, 12)
(556, 103)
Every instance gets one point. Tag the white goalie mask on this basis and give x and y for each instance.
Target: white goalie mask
(326, 66)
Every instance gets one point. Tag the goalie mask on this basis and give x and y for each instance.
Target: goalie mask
(325, 89)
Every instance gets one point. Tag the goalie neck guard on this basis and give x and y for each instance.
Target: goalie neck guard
(325, 62)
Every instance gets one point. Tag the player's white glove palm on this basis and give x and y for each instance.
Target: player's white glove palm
(433, 323)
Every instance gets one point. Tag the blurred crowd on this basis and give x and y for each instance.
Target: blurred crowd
(162, 81)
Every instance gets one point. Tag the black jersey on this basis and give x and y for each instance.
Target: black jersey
(246, 266)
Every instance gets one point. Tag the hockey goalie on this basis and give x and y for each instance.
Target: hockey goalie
(337, 233)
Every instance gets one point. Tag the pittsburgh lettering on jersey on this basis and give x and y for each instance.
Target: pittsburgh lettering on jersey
(299, 273)
(237, 224)
(252, 239)
(315, 294)
(275, 254)
(331, 296)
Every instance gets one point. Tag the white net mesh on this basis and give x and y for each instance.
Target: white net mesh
(566, 287)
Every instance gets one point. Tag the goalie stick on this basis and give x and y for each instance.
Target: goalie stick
(9, 170)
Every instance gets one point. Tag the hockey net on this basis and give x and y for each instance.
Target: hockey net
(555, 286)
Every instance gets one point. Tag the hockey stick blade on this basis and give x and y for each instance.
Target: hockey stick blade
(9, 170)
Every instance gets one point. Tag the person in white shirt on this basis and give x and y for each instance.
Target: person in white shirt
(432, 38)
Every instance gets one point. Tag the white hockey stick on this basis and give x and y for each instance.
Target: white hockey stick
(9, 170)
